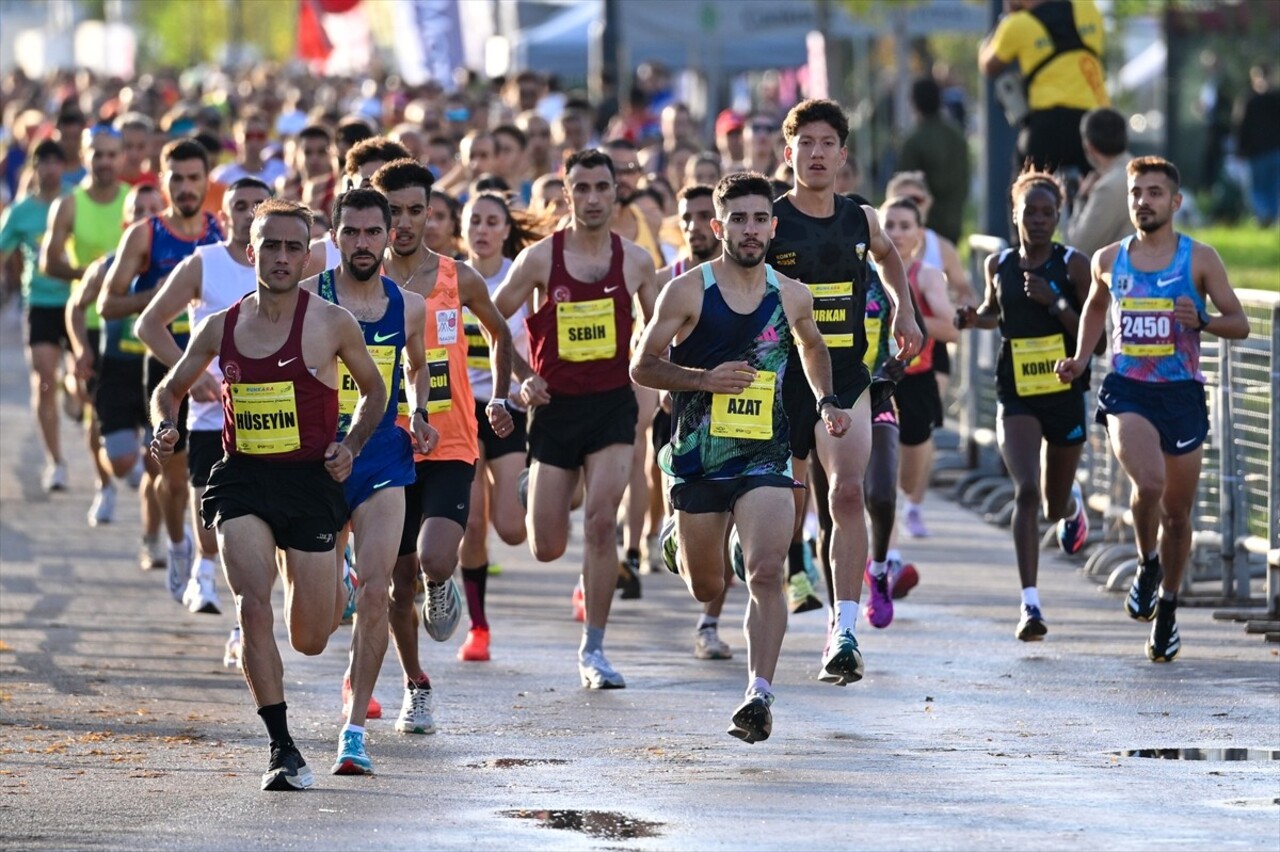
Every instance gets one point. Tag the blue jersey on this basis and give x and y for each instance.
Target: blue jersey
(1147, 343)
(385, 340)
(167, 251)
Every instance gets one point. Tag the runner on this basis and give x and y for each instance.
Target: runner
(1153, 402)
(1034, 296)
(391, 324)
(822, 239)
(278, 484)
(732, 322)
(584, 280)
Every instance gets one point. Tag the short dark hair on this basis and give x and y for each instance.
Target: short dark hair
(352, 130)
(403, 174)
(695, 190)
(1032, 179)
(620, 144)
(740, 185)
(926, 96)
(816, 109)
(372, 150)
(488, 182)
(316, 131)
(250, 182)
(590, 158)
(1146, 165)
(514, 132)
(47, 149)
(361, 199)
(184, 149)
(280, 207)
(1105, 129)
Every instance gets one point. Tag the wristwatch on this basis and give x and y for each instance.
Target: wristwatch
(1204, 317)
(423, 412)
(829, 399)
(499, 400)
(1059, 306)
(164, 424)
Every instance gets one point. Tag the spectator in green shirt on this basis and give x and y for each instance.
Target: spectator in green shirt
(938, 148)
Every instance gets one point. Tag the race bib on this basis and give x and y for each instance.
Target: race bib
(477, 344)
(349, 392)
(747, 415)
(1034, 359)
(128, 341)
(585, 331)
(1146, 327)
(833, 313)
(441, 398)
(182, 325)
(266, 418)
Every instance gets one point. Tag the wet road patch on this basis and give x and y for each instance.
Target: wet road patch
(510, 762)
(607, 825)
(1213, 754)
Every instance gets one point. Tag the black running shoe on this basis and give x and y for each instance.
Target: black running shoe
(1141, 602)
(287, 770)
(1164, 644)
(1031, 627)
(753, 722)
(629, 577)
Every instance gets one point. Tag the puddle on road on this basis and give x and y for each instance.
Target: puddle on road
(607, 825)
(509, 762)
(1214, 754)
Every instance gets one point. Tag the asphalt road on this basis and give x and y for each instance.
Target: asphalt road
(121, 729)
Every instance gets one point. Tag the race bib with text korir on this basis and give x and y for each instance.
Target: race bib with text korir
(349, 392)
(585, 331)
(747, 415)
(833, 313)
(477, 343)
(1146, 327)
(266, 418)
(1034, 359)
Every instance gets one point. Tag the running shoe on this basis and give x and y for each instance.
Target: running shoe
(476, 647)
(231, 653)
(879, 607)
(914, 522)
(442, 611)
(902, 578)
(667, 538)
(286, 770)
(753, 721)
(136, 472)
(152, 553)
(800, 594)
(201, 594)
(709, 646)
(179, 561)
(1072, 533)
(103, 507)
(1031, 627)
(1164, 644)
(495, 569)
(374, 711)
(735, 555)
(629, 578)
(54, 477)
(578, 601)
(1145, 591)
(352, 757)
(415, 713)
(596, 673)
(842, 663)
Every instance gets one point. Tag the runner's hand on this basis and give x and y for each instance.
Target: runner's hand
(1069, 369)
(533, 391)
(84, 366)
(425, 436)
(731, 377)
(206, 389)
(337, 461)
(1186, 313)
(163, 443)
(500, 420)
(907, 334)
(966, 317)
(892, 369)
(837, 420)
(1038, 290)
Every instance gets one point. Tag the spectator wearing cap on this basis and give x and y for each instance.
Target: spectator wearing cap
(729, 142)
(1101, 214)
(251, 133)
(938, 148)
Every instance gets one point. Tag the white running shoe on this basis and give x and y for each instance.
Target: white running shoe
(201, 594)
(442, 611)
(55, 477)
(179, 564)
(152, 553)
(231, 655)
(709, 646)
(596, 673)
(103, 507)
(415, 713)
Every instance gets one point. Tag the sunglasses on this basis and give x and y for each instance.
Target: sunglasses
(763, 128)
(255, 135)
(630, 169)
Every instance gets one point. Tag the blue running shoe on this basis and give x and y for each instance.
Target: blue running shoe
(1031, 627)
(1073, 532)
(352, 758)
(842, 664)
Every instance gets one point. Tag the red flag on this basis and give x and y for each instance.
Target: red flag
(313, 44)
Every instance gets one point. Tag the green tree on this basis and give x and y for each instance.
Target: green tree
(182, 33)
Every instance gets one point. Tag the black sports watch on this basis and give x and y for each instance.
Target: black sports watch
(1204, 318)
(164, 424)
(423, 412)
(829, 399)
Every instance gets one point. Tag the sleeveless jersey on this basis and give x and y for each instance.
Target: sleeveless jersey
(96, 230)
(384, 338)
(223, 282)
(273, 408)
(451, 407)
(578, 336)
(1147, 344)
(830, 256)
(166, 252)
(723, 436)
(479, 368)
(922, 363)
(1031, 340)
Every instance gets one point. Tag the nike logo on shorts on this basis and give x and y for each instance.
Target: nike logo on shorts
(286, 362)
(1181, 444)
(381, 484)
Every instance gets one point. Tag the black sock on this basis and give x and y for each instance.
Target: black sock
(633, 554)
(473, 583)
(795, 558)
(273, 716)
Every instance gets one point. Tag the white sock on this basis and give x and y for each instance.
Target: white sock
(846, 616)
(908, 506)
(705, 620)
(1165, 594)
(893, 555)
(878, 569)
(204, 567)
(1030, 597)
(759, 684)
(355, 729)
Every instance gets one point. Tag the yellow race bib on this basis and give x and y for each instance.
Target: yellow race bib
(349, 393)
(1146, 327)
(833, 313)
(1033, 361)
(266, 418)
(747, 415)
(441, 398)
(477, 343)
(585, 331)
(182, 325)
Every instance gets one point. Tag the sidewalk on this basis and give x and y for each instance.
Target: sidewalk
(121, 729)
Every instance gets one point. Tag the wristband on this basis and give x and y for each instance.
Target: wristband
(499, 400)
(164, 424)
(1204, 318)
(829, 399)
(423, 412)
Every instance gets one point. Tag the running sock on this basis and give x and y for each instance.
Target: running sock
(1153, 556)
(473, 583)
(423, 682)
(909, 506)
(1166, 595)
(759, 684)
(1030, 597)
(846, 616)
(893, 555)
(705, 621)
(204, 567)
(795, 558)
(273, 716)
(355, 729)
(592, 640)
(878, 569)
